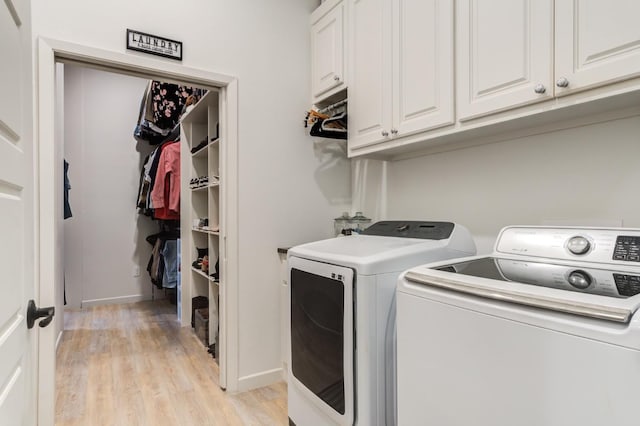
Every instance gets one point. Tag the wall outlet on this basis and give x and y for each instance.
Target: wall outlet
(136, 271)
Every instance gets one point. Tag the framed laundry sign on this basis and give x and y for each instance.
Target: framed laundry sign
(154, 45)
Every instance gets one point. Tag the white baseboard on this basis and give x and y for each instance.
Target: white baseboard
(259, 380)
(115, 300)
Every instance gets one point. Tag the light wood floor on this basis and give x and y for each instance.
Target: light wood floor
(133, 365)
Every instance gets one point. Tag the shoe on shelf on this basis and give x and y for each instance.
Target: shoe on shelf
(201, 145)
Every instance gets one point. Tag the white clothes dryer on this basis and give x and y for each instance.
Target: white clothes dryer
(544, 331)
(342, 318)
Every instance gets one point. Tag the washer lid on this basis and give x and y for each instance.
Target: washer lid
(580, 289)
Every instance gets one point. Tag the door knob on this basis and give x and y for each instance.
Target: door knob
(539, 88)
(394, 132)
(34, 313)
(385, 133)
(336, 78)
(562, 82)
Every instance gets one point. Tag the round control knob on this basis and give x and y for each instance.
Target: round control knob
(578, 245)
(562, 82)
(579, 279)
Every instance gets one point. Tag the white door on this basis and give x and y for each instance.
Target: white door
(505, 54)
(597, 42)
(423, 65)
(369, 72)
(327, 52)
(17, 356)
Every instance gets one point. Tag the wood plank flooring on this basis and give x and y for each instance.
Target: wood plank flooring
(134, 365)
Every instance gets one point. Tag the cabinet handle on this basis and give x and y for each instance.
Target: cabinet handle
(385, 133)
(562, 82)
(394, 131)
(539, 88)
(336, 78)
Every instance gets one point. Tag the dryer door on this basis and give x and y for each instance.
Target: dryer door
(321, 329)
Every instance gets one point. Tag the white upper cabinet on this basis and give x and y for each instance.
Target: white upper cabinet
(401, 69)
(423, 65)
(370, 72)
(504, 54)
(597, 42)
(327, 50)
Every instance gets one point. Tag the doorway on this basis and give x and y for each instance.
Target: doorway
(50, 224)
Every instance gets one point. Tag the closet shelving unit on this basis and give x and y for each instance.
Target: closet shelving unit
(198, 125)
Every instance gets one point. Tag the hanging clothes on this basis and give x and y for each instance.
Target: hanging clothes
(161, 107)
(146, 130)
(170, 257)
(165, 194)
(67, 187)
(163, 263)
(334, 127)
(168, 102)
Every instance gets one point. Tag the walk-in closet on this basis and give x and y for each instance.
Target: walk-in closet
(143, 195)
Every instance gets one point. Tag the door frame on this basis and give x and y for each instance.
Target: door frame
(47, 230)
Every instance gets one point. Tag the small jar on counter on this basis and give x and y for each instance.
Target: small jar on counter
(341, 224)
(359, 223)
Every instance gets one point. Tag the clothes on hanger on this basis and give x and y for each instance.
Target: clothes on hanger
(334, 127)
(67, 187)
(161, 107)
(163, 169)
(163, 263)
(146, 130)
(168, 101)
(165, 194)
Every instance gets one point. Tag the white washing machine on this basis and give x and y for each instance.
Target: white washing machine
(543, 332)
(342, 317)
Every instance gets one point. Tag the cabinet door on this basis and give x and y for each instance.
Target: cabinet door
(327, 52)
(370, 72)
(504, 55)
(597, 42)
(423, 65)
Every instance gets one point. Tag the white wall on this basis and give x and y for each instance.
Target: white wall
(105, 238)
(285, 197)
(586, 175)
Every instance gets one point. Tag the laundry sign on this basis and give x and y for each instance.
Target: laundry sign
(154, 45)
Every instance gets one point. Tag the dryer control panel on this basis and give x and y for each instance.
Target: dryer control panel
(601, 245)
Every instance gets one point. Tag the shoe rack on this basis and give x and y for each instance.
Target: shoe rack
(200, 213)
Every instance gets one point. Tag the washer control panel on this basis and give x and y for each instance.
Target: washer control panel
(602, 245)
(627, 248)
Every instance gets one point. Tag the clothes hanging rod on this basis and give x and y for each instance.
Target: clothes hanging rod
(333, 106)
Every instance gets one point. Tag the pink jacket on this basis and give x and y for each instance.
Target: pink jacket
(169, 164)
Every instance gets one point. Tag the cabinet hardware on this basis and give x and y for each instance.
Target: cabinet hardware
(562, 82)
(539, 88)
(385, 133)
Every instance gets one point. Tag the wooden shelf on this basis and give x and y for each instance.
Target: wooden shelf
(205, 276)
(211, 185)
(205, 231)
(199, 112)
(202, 152)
